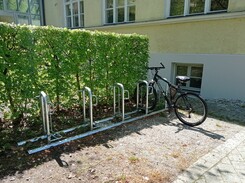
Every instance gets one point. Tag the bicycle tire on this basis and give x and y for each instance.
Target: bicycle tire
(190, 109)
(152, 97)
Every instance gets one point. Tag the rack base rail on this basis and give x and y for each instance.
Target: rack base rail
(56, 138)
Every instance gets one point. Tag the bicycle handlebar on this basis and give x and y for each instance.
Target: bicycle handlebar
(156, 68)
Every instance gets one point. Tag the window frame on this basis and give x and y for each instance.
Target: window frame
(114, 9)
(207, 9)
(80, 13)
(189, 67)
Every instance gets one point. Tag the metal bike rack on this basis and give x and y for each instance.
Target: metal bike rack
(46, 115)
(119, 98)
(90, 105)
(147, 94)
(54, 139)
(47, 121)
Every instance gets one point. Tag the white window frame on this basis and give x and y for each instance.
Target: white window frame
(115, 13)
(207, 8)
(189, 66)
(16, 14)
(70, 3)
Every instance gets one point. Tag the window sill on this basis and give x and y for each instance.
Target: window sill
(176, 20)
(197, 14)
(204, 17)
(118, 23)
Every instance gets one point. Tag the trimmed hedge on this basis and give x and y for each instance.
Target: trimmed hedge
(61, 61)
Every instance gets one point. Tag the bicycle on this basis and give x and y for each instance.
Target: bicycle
(189, 107)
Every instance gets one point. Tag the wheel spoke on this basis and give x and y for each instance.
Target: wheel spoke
(190, 109)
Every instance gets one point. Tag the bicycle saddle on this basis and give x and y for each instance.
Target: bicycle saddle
(183, 79)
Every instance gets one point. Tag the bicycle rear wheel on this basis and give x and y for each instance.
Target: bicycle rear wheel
(152, 96)
(190, 109)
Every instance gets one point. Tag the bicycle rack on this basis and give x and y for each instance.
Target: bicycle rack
(47, 122)
(119, 98)
(46, 117)
(90, 105)
(54, 139)
(138, 95)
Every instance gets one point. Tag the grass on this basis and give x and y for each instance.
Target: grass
(122, 178)
(133, 159)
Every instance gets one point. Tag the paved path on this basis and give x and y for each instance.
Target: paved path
(224, 164)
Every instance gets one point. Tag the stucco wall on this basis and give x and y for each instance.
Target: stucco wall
(54, 13)
(145, 11)
(149, 10)
(213, 36)
(236, 5)
(93, 13)
(223, 74)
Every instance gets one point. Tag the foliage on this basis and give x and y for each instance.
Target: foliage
(18, 68)
(61, 61)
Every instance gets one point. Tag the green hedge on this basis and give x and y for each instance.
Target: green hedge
(61, 61)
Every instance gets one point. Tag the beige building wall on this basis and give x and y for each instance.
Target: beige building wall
(236, 5)
(191, 35)
(93, 13)
(54, 13)
(149, 10)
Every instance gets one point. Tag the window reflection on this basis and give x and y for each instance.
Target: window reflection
(190, 7)
(196, 6)
(22, 11)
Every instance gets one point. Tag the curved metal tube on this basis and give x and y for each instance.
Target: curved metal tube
(45, 114)
(120, 87)
(147, 95)
(90, 105)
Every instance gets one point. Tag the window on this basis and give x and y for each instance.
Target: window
(21, 11)
(74, 12)
(1, 5)
(190, 7)
(195, 73)
(11, 5)
(118, 11)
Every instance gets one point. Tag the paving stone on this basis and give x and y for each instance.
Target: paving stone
(225, 164)
(235, 156)
(201, 180)
(238, 165)
(241, 174)
(226, 160)
(213, 176)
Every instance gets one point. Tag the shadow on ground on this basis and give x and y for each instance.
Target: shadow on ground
(17, 160)
(232, 111)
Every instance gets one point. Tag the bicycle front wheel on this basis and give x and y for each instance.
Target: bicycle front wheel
(190, 109)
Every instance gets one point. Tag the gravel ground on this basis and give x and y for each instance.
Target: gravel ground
(155, 149)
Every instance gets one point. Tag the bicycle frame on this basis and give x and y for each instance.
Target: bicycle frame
(155, 80)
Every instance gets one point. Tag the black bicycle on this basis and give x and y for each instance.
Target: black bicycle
(189, 107)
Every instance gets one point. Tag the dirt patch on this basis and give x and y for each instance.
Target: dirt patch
(155, 149)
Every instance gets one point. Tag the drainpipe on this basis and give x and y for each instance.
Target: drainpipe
(43, 13)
